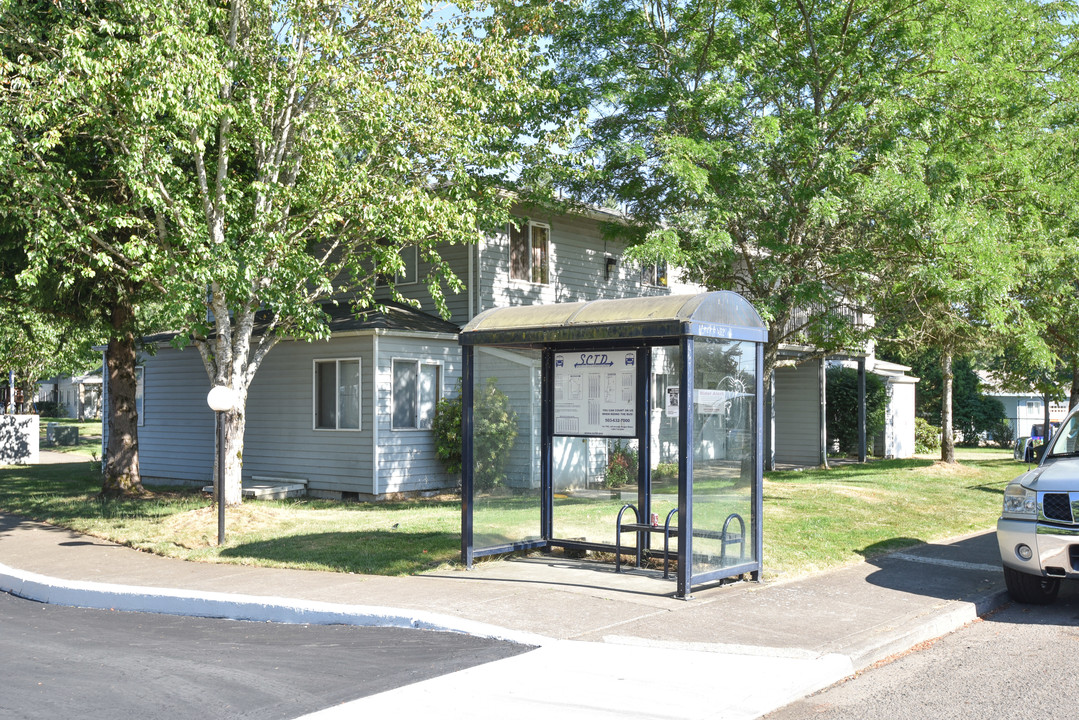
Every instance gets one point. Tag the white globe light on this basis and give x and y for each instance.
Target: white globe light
(221, 398)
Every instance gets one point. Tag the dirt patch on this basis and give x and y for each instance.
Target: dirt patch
(942, 468)
(198, 528)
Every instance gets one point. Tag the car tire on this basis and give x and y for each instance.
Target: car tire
(1031, 589)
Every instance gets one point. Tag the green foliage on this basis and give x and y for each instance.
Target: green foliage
(926, 436)
(973, 413)
(447, 429)
(621, 466)
(665, 471)
(259, 156)
(1002, 433)
(494, 435)
(842, 393)
(48, 408)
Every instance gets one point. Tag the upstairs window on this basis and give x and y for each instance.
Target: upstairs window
(410, 270)
(655, 275)
(416, 392)
(530, 252)
(337, 394)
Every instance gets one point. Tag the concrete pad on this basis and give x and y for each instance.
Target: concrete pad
(737, 650)
(593, 680)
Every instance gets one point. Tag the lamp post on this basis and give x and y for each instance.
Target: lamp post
(221, 399)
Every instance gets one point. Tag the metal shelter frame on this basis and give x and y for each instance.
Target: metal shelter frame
(633, 327)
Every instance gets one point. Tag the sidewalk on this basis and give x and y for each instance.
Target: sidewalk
(607, 644)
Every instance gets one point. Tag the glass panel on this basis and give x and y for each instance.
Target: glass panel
(724, 407)
(1067, 440)
(593, 479)
(539, 254)
(428, 394)
(410, 272)
(325, 391)
(404, 394)
(519, 250)
(506, 447)
(348, 394)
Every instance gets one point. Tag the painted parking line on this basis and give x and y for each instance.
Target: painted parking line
(944, 562)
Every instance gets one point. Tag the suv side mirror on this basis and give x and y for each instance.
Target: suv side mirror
(1039, 452)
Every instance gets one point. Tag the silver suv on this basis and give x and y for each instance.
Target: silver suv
(1038, 530)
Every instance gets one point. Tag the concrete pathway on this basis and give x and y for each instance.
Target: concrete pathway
(607, 644)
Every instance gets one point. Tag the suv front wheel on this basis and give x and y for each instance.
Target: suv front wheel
(1031, 589)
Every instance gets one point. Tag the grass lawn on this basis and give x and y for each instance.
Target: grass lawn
(813, 520)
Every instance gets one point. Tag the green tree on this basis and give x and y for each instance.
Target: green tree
(959, 202)
(83, 241)
(817, 156)
(843, 407)
(273, 155)
(740, 137)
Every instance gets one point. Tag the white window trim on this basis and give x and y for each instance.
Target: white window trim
(529, 224)
(393, 389)
(336, 395)
(653, 273)
(140, 379)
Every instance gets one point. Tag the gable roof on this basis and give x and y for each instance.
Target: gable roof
(387, 315)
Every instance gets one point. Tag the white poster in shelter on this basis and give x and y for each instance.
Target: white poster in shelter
(595, 393)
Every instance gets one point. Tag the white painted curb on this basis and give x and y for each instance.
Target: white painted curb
(256, 608)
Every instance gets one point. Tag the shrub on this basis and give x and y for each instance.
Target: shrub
(447, 428)
(49, 408)
(621, 466)
(1002, 434)
(494, 435)
(665, 471)
(926, 436)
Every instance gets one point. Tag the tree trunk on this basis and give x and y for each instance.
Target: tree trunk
(947, 442)
(235, 426)
(122, 455)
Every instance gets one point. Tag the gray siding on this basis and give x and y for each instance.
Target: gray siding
(797, 415)
(176, 437)
(176, 428)
(578, 255)
(281, 440)
(407, 460)
(457, 258)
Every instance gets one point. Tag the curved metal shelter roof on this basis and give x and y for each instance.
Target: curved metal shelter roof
(720, 314)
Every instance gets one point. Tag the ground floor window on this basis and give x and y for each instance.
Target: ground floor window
(337, 394)
(416, 391)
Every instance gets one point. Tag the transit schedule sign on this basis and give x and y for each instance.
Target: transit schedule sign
(595, 393)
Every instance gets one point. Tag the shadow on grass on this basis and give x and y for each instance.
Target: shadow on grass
(374, 552)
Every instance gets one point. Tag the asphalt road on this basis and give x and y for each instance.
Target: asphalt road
(1017, 663)
(68, 662)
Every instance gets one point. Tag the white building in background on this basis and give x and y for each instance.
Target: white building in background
(78, 396)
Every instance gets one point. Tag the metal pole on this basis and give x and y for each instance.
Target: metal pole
(220, 478)
(862, 439)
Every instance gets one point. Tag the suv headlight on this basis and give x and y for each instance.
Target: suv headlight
(1020, 503)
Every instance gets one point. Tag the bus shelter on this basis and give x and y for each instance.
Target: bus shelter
(630, 426)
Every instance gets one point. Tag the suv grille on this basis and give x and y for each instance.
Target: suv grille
(1057, 506)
